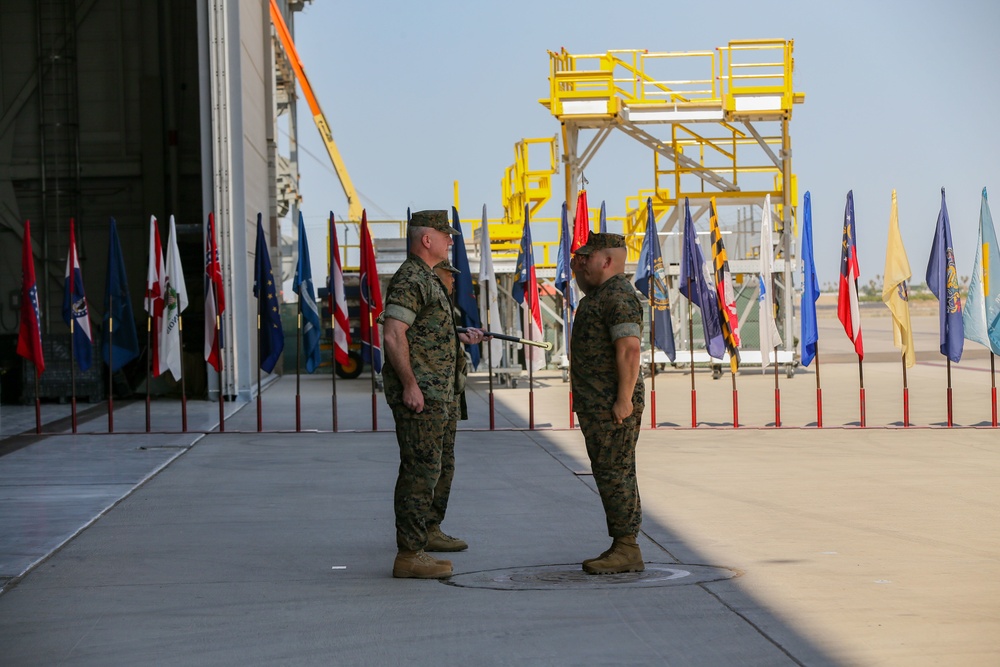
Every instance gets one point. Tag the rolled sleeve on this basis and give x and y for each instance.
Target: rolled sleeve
(625, 330)
(397, 312)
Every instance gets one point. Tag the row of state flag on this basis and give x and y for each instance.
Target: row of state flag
(166, 297)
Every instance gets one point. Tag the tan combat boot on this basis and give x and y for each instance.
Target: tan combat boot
(438, 541)
(418, 565)
(623, 556)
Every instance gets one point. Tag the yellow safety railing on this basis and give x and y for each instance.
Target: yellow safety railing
(717, 78)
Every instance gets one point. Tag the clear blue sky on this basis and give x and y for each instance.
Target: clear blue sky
(899, 95)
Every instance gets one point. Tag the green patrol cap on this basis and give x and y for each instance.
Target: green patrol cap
(434, 219)
(597, 242)
(446, 265)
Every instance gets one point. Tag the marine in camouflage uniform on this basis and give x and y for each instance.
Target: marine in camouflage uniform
(419, 377)
(610, 311)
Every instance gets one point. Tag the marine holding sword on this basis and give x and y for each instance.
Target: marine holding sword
(420, 373)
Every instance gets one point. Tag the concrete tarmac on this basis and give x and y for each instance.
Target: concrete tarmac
(802, 546)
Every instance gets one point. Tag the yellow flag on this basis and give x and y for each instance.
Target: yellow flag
(895, 292)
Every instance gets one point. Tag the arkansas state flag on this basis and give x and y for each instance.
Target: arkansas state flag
(847, 300)
(371, 300)
(75, 312)
(215, 299)
(29, 336)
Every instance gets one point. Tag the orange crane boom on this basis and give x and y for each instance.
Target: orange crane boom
(353, 203)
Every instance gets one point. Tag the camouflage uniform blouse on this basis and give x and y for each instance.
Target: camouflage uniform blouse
(415, 296)
(609, 312)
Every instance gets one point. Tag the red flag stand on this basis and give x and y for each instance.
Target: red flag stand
(993, 382)
(180, 345)
(371, 348)
(298, 378)
(736, 404)
(38, 406)
(652, 358)
(819, 393)
(489, 361)
(111, 373)
(777, 392)
(950, 422)
(531, 380)
(149, 373)
(72, 372)
(861, 378)
(260, 419)
(906, 396)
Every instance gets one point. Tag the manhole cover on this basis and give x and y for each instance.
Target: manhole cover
(571, 576)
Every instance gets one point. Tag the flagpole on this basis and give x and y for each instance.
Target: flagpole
(531, 374)
(298, 365)
(489, 363)
(819, 393)
(569, 358)
(694, 393)
(993, 382)
(72, 370)
(111, 365)
(180, 345)
(38, 403)
(861, 378)
(149, 363)
(218, 329)
(371, 354)
(736, 400)
(777, 392)
(950, 422)
(652, 357)
(260, 298)
(333, 323)
(906, 394)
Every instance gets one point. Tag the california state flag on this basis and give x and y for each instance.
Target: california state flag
(154, 294)
(175, 300)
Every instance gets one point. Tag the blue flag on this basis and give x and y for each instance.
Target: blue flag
(270, 336)
(75, 306)
(604, 219)
(942, 279)
(119, 324)
(981, 315)
(465, 299)
(408, 216)
(564, 273)
(303, 286)
(694, 285)
(809, 336)
(651, 280)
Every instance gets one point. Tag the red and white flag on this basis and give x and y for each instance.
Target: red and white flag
(215, 299)
(337, 300)
(848, 309)
(154, 293)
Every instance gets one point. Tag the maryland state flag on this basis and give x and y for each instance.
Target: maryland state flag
(724, 292)
(371, 300)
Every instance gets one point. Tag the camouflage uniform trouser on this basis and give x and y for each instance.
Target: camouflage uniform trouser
(611, 448)
(422, 487)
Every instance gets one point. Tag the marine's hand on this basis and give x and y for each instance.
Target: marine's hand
(473, 336)
(620, 410)
(413, 398)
